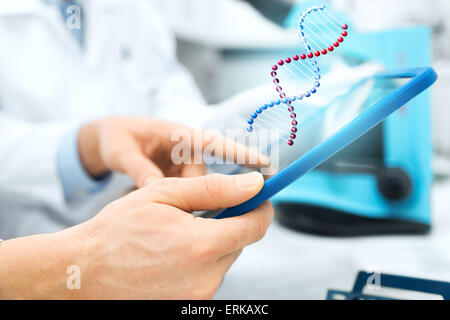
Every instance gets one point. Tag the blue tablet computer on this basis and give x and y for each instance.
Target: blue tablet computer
(333, 127)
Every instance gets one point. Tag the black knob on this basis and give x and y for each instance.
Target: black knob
(394, 183)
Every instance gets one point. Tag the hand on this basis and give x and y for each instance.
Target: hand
(146, 245)
(142, 148)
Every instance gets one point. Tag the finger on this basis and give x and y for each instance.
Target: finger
(141, 169)
(235, 152)
(232, 234)
(224, 263)
(202, 140)
(206, 193)
(215, 145)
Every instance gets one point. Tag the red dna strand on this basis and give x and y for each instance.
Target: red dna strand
(298, 77)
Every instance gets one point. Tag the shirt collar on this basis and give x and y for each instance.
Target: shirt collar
(24, 7)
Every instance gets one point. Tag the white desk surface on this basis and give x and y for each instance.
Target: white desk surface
(292, 265)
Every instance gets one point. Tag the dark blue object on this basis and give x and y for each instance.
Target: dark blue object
(394, 282)
(421, 79)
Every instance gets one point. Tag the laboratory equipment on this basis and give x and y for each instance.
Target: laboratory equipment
(380, 184)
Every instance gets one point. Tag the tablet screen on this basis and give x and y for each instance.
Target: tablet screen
(319, 124)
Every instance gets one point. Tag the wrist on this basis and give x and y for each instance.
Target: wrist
(89, 150)
(37, 267)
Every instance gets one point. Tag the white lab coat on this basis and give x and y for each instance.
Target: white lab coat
(48, 85)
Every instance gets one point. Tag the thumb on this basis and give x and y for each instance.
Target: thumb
(206, 193)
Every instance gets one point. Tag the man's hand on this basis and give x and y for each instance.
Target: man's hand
(146, 245)
(142, 148)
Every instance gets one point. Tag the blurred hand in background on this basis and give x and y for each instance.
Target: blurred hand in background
(143, 148)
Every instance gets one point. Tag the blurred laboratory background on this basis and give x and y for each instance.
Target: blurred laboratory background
(338, 219)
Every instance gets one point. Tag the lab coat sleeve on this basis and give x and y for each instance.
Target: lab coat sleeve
(28, 160)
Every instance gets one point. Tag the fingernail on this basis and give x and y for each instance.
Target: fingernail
(250, 180)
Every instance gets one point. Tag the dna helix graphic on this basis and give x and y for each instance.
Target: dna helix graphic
(321, 33)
